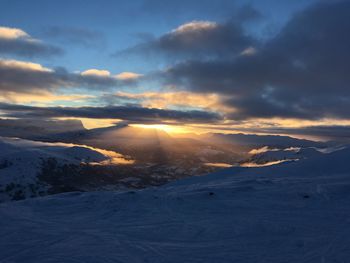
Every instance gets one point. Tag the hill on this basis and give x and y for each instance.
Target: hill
(292, 212)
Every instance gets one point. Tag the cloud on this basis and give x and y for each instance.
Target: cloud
(197, 39)
(249, 51)
(15, 41)
(169, 11)
(302, 72)
(130, 113)
(23, 65)
(325, 132)
(96, 72)
(42, 98)
(194, 27)
(28, 77)
(105, 78)
(75, 35)
(167, 100)
(128, 76)
(12, 33)
(329, 132)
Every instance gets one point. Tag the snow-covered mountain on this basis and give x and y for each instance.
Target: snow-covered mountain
(267, 156)
(23, 163)
(291, 212)
(32, 168)
(160, 157)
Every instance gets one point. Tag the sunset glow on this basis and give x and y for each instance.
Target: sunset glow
(197, 73)
(171, 129)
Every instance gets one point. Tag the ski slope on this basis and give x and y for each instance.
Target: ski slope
(292, 212)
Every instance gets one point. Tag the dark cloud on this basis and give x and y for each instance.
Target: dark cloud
(246, 13)
(200, 39)
(334, 132)
(169, 9)
(26, 46)
(74, 35)
(302, 72)
(129, 113)
(21, 79)
(25, 78)
(340, 133)
(192, 9)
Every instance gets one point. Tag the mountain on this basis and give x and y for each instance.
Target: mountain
(266, 155)
(251, 141)
(31, 168)
(157, 156)
(292, 212)
(147, 145)
(36, 128)
(155, 146)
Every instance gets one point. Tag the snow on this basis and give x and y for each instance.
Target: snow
(23, 159)
(266, 156)
(292, 212)
(71, 152)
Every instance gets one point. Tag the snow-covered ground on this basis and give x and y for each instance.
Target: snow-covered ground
(292, 212)
(22, 160)
(266, 156)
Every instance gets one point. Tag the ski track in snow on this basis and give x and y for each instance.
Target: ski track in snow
(292, 212)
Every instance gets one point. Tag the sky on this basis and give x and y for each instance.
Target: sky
(270, 66)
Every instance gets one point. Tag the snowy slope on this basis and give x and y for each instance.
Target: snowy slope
(22, 160)
(266, 155)
(292, 212)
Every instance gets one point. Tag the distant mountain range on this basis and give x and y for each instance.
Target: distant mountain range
(33, 128)
(62, 156)
(253, 140)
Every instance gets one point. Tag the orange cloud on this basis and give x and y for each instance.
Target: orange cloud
(96, 72)
(43, 98)
(93, 123)
(12, 33)
(163, 100)
(128, 76)
(16, 64)
(106, 74)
